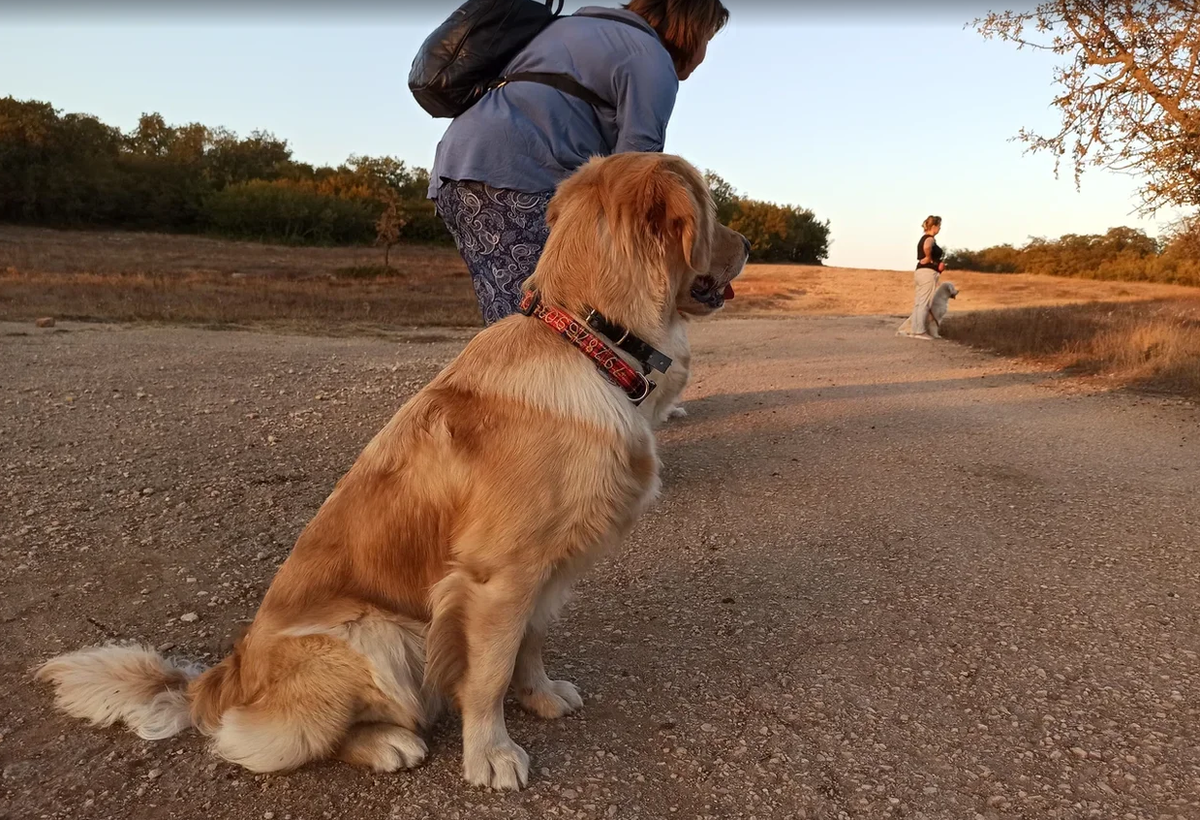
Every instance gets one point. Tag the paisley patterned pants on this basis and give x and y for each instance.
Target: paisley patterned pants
(500, 234)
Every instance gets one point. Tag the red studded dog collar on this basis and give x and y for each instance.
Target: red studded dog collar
(635, 385)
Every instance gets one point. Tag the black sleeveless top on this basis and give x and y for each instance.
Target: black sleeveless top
(935, 253)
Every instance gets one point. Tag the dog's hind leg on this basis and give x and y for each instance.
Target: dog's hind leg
(383, 747)
(309, 693)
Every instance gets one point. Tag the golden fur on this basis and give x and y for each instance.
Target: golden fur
(434, 568)
(727, 262)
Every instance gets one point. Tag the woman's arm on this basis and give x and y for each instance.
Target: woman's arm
(645, 87)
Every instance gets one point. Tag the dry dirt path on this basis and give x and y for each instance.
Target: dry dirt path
(886, 578)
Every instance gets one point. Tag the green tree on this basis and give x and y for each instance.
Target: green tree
(724, 197)
(73, 170)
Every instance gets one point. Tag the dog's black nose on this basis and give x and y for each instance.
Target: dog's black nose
(746, 243)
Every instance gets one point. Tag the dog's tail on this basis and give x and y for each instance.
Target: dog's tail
(131, 684)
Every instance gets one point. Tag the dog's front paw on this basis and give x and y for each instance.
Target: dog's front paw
(677, 412)
(556, 699)
(504, 766)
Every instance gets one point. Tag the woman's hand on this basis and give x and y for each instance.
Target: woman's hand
(941, 267)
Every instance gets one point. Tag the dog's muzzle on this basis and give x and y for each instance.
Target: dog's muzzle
(709, 293)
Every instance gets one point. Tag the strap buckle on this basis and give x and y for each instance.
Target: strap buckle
(647, 386)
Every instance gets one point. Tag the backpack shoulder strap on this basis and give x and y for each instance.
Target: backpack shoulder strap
(643, 27)
(563, 82)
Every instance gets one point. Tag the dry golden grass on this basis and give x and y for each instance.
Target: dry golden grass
(127, 276)
(1151, 345)
(42, 250)
(765, 290)
(150, 277)
(1138, 334)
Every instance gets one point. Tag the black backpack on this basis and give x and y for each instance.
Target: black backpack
(465, 56)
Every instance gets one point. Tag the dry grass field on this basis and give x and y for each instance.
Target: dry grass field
(150, 277)
(1151, 345)
(1136, 334)
(786, 289)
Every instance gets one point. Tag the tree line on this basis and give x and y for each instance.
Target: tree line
(1120, 253)
(72, 170)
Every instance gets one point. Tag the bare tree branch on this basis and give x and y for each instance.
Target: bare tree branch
(1128, 88)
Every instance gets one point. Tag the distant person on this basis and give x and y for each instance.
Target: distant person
(929, 267)
(499, 162)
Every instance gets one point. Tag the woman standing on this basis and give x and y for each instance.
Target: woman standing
(499, 162)
(929, 268)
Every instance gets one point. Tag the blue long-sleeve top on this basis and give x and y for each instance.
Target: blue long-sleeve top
(526, 136)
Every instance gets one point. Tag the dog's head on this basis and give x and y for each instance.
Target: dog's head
(635, 236)
(709, 290)
(951, 291)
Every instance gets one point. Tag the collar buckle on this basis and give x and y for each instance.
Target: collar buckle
(649, 357)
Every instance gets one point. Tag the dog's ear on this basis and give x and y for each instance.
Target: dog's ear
(652, 208)
(671, 212)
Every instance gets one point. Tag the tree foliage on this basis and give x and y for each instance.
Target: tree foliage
(777, 233)
(387, 228)
(71, 170)
(74, 171)
(1128, 88)
(1120, 253)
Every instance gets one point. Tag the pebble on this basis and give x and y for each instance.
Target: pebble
(189, 617)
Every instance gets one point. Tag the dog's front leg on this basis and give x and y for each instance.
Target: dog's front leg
(496, 613)
(535, 691)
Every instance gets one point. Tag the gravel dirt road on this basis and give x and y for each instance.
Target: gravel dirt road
(886, 578)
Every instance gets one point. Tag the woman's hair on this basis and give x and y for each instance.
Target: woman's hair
(931, 221)
(684, 25)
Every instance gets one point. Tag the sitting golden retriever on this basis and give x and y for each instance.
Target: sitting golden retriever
(433, 569)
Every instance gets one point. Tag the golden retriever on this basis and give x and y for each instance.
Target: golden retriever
(432, 571)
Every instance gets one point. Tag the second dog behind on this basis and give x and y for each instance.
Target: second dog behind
(938, 309)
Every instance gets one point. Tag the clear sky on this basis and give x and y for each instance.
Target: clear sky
(872, 118)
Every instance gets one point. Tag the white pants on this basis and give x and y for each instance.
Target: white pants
(925, 281)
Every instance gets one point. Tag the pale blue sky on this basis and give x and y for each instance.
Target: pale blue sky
(873, 123)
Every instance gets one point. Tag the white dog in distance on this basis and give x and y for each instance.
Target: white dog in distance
(937, 311)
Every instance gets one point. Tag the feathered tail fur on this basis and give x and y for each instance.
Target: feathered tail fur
(130, 684)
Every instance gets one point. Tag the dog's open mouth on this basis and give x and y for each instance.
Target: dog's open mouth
(707, 291)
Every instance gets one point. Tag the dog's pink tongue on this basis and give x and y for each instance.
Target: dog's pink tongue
(728, 294)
